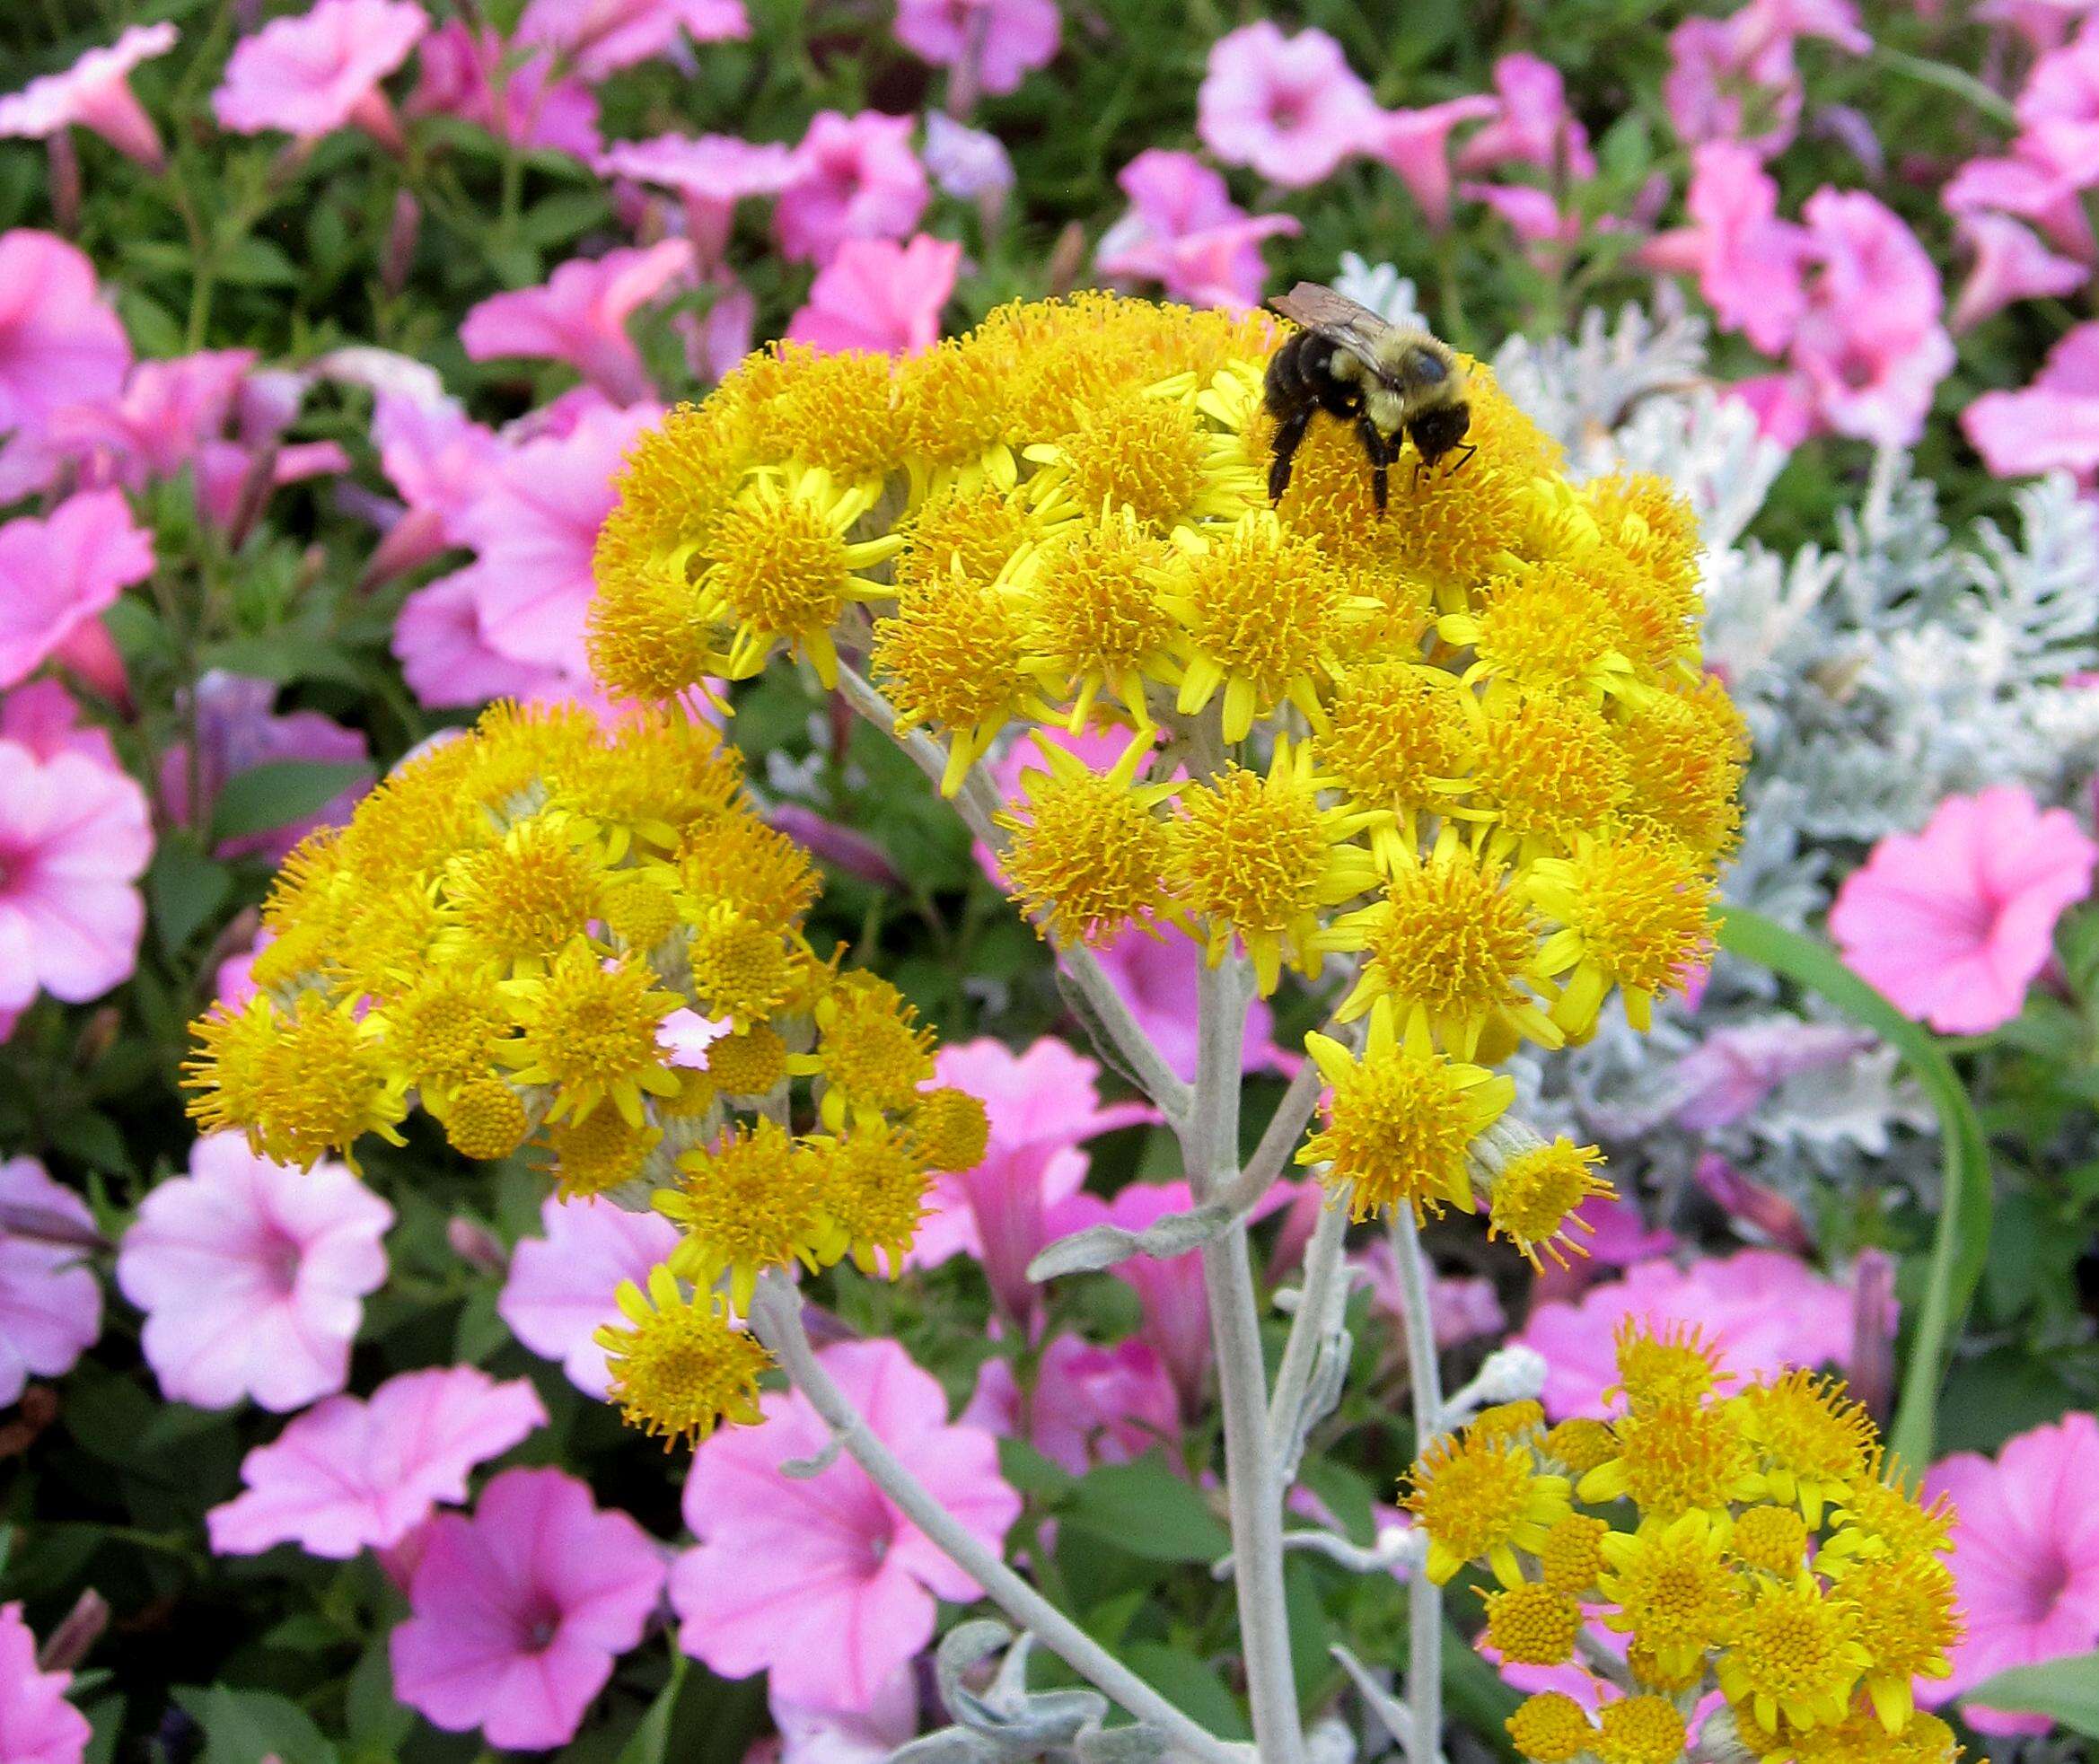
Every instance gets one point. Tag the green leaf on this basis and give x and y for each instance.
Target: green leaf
(480, 1332)
(1192, 1686)
(283, 658)
(1144, 1508)
(247, 1726)
(1478, 1695)
(257, 263)
(649, 1742)
(266, 797)
(93, 1138)
(1960, 1247)
(1027, 1470)
(378, 1721)
(185, 888)
(2064, 1690)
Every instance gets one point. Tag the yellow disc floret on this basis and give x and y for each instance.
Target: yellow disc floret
(678, 1366)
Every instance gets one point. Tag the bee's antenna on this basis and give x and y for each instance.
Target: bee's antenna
(1470, 448)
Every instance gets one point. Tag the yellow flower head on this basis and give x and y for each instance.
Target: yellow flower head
(747, 1062)
(1770, 1539)
(874, 1190)
(1639, 1730)
(834, 412)
(1795, 1652)
(754, 1199)
(1399, 740)
(1532, 1625)
(1815, 1442)
(1635, 913)
(1573, 1553)
(1536, 1196)
(1674, 1589)
(982, 531)
(950, 1129)
(486, 1119)
(1882, 1514)
(301, 1084)
(1550, 1728)
(1093, 617)
(1483, 1500)
(1685, 748)
(1542, 627)
(446, 1029)
(1580, 1444)
(871, 1052)
(598, 1153)
(1908, 1620)
(734, 857)
(743, 968)
(950, 656)
(1092, 853)
(514, 904)
(679, 1367)
(1676, 1457)
(1549, 770)
(1670, 1362)
(587, 1026)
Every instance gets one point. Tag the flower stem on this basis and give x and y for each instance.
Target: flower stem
(776, 1319)
(1317, 1312)
(1423, 1597)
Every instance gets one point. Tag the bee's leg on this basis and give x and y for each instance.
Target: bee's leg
(1380, 455)
(1470, 450)
(1289, 432)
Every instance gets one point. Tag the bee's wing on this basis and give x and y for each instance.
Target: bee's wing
(1348, 322)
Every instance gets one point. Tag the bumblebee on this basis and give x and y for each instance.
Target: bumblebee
(1394, 383)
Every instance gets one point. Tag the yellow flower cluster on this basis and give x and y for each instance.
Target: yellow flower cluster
(1467, 743)
(1755, 1542)
(586, 944)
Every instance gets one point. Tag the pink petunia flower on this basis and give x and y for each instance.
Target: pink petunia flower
(444, 659)
(711, 173)
(44, 717)
(36, 1724)
(1750, 264)
(967, 163)
(878, 296)
(60, 343)
(811, 1733)
(168, 410)
(579, 316)
(2036, 185)
(1156, 977)
(95, 92)
(312, 75)
(475, 75)
(349, 1475)
(560, 1284)
(517, 1613)
(74, 837)
(1462, 1307)
(1041, 1104)
(1954, 923)
(1766, 1311)
(1619, 1237)
(1091, 1405)
(599, 37)
(252, 1276)
(1533, 126)
(50, 1302)
(59, 575)
(435, 455)
(1711, 95)
(1729, 1073)
(2050, 425)
(822, 1579)
(2011, 264)
(1183, 230)
(1289, 107)
(2026, 1559)
(1416, 143)
(1764, 1214)
(998, 40)
(854, 178)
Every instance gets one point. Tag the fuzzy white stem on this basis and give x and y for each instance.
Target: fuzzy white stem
(1316, 1317)
(776, 1319)
(1423, 1597)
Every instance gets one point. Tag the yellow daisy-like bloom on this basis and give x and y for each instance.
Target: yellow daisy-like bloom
(1635, 913)
(836, 412)
(1815, 1442)
(1770, 1539)
(517, 903)
(981, 531)
(588, 1027)
(871, 1052)
(679, 1367)
(1686, 747)
(1673, 1588)
(743, 969)
(1399, 1120)
(1882, 1514)
(1522, 1420)
(1532, 1625)
(952, 656)
(1580, 1444)
(1573, 1555)
(651, 634)
(950, 1129)
(1542, 627)
(486, 1119)
(1677, 1457)
(758, 870)
(1483, 1500)
(1535, 1196)
(1908, 1620)
(301, 1084)
(747, 1062)
(1140, 451)
(1650, 1674)
(1550, 1728)
(1639, 1730)
(1259, 857)
(753, 1200)
(1092, 853)
(1794, 1651)
(1093, 619)
(598, 1153)
(1399, 740)
(1549, 769)
(677, 479)
(874, 1190)
(1671, 1362)
(950, 413)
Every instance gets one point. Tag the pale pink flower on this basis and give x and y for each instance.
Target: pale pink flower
(1954, 923)
(1183, 230)
(965, 163)
(443, 657)
(1729, 1073)
(560, 1284)
(36, 1724)
(1533, 124)
(350, 1475)
(517, 1613)
(822, 1579)
(1091, 1405)
(310, 75)
(95, 92)
(711, 174)
(854, 178)
(2033, 185)
(61, 574)
(1750, 265)
(252, 1276)
(74, 837)
(1462, 1307)
(2063, 90)
(1766, 1311)
(2026, 1559)
(811, 1733)
(168, 410)
(475, 75)
(2011, 264)
(1416, 143)
(1041, 1103)
(1532, 214)
(44, 717)
(579, 316)
(878, 296)
(2051, 425)
(1176, 1313)
(435, 454)
(2042, 24)
(60, 344)
(1711, 93)
(1783, 404)
(1002, 39)
(599, 37)
(1289, 107)
(50, 1302)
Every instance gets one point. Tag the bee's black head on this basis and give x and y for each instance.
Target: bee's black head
(1435, 432)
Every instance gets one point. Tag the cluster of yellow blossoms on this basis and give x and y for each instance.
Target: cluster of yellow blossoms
(1467, 744)
(587, 943)
(1751, 1542)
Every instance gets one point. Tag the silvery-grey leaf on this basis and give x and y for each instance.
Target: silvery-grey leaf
(1103, 1246)
(1387, 1707)
(815, 1464)
(1135, 1744)
(948, 1745)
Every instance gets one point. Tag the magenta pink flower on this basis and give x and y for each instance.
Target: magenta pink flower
(1416, 143)
(435, 454)
(1749, 263)
(517, 1613)
(50, 1302)
(1770, 1218)
(74, 837)
(711, 173)
(1156, 978)
(443, 657)
(1289, 107)
(44, 717)
(95, 92)
(2011, 264)
(1041, 1104)
(822, 1579)
(1532, 214)
(560, 1285)
(1766, 1309)
(62, 573)
(2051, 424)
(36, 1724)
(2034, 185)
(878, 296)
(473, 74)
(1783, 404)
(1954, 923)
(1533, 124)
(2061, 96)
(348, 1475)
(1091, 1405)
(579, 316)
(1710, 92)
(1176, 1314)
(168, 410)
(599, 37)
(252, 1276)
(1182, 229)
(312, 74)
(60, 344)
(2025, 1558)
(1000, 39)
(854, 178)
